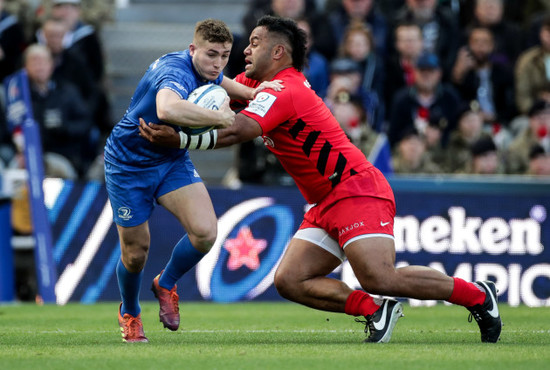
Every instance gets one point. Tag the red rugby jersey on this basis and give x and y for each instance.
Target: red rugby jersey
(304, 135)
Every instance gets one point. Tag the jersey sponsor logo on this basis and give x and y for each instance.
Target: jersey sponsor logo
(384, 223)
(124, 213)
(351, 227)
(268, 141)
(261, 104)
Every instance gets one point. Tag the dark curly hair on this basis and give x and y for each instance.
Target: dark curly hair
(295, 36)
(213, 30)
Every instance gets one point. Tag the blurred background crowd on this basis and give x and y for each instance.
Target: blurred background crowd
(448, 86)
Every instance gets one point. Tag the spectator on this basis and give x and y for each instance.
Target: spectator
(439, 29)
(532, 72)
(433, 138)
(345, 84)
(485, 158)
(317, 70)
(400, 65)
(68, 65)
(428, 97)
(82, 39)
(352, 117)
(12, 43)
(539, 162)
(508, 36)
(478, 77)
(537, 133)
(410, 155)
(365, 11)
(358, 45)
(322, 34)
(60, 113)
(469, 130)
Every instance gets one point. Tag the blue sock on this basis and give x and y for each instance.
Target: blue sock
(129, 285)
(184, 257)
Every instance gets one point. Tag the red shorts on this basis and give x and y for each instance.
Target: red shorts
(352, 210)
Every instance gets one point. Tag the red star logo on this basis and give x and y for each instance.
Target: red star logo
(244, 250)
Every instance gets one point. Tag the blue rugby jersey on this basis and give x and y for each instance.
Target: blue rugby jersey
(172, 71)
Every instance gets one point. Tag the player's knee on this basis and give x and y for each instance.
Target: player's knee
(203, 239)
(284, 283)
(135, 259)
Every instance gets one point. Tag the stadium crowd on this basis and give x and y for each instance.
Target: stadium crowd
(457, 87)
(454, 86)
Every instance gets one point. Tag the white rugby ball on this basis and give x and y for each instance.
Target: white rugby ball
(209, 96)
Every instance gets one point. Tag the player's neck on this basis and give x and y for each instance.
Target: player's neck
(272, 73)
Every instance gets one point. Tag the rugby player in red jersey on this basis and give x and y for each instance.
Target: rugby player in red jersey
(354, 206)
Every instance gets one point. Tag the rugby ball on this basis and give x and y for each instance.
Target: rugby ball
(207, 96)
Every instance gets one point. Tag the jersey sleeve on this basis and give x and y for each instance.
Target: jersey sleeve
(271, 108)
(175, 80)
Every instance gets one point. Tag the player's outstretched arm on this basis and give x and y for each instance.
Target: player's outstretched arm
(244, 129)
(238, 91)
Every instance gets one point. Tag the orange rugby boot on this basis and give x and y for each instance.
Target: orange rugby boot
(169, 313)
(131, 328)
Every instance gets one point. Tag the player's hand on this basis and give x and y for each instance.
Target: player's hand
(275, 85)
(162, 135)
(227, 116)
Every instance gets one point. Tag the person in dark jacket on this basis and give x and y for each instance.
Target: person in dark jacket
(414, 106)
(12, 43)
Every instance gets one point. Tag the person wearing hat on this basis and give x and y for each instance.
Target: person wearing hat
(537, 132)
(469, 129)
(345, 80)
(539, 162)
(428, 97)
(410, 155)
(485, 157)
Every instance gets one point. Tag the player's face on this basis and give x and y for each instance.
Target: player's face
(258, 54)
(209, 59)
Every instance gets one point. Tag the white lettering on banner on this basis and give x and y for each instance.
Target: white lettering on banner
(512, 280)
(461, 234)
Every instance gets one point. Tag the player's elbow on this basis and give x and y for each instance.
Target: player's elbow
(164, 114)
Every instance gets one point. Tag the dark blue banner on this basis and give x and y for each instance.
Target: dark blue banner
(486, 231)
(20, 119)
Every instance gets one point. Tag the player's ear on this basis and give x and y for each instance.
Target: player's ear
(192, 48)
(278, 51)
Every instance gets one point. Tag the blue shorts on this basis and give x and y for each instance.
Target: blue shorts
(133, 191)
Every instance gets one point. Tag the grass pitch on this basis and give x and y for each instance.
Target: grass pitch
(265, 336)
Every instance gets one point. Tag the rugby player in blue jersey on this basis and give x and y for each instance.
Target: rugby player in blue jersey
(139, 173)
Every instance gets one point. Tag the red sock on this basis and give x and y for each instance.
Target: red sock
(466, 294)
(360, 303)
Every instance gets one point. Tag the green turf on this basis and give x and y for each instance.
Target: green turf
(266, 336)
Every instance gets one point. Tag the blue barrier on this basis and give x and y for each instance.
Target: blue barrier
(476, 230)
(7, 281)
